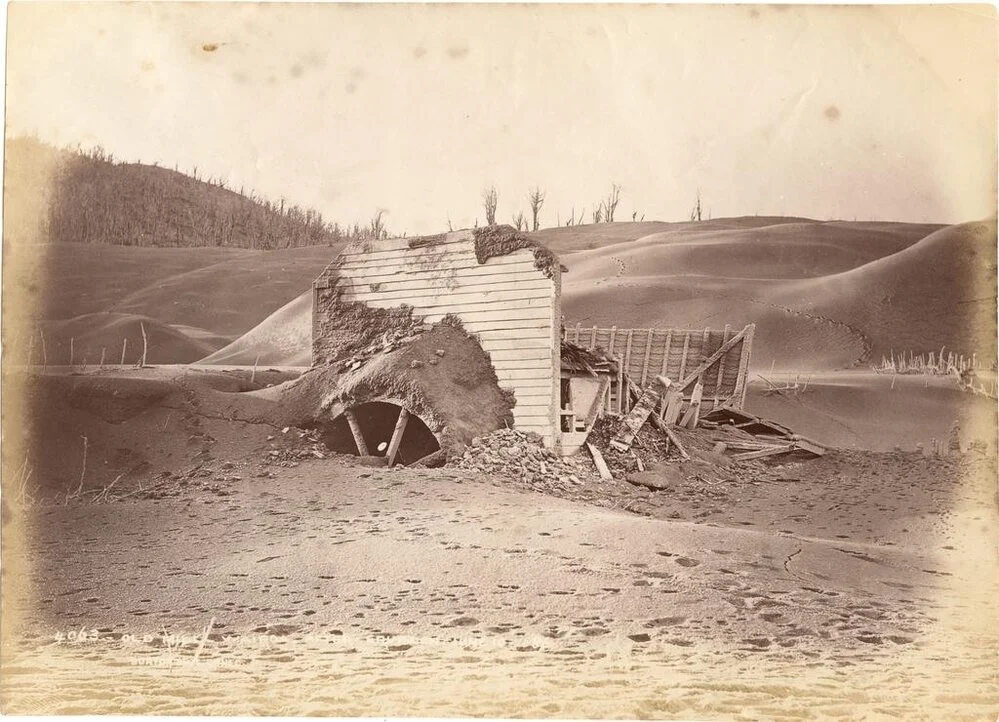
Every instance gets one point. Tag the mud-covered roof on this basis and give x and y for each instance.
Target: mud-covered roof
(577, 359)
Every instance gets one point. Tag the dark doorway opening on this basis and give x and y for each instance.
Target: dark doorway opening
(376, 421)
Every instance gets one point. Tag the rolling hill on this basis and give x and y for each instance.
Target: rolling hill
(111, 337)
(92, 198)
(823, 295)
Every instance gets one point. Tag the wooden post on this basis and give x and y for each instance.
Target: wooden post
(45, 354)
(593, 338)
(575, 338)
(721, 368)
(355, 430)
(71, 353)
(103, 350)
(666, 349)
(648, 353)
(400, 429)
(621, 390)
(683, 357)
(627, 352)
(145, 344)
(742, 383)
(613, 333)
(124, 345)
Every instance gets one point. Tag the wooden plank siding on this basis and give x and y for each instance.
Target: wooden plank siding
(675, 353)
(510, 305)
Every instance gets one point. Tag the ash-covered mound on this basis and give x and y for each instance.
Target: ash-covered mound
(440, 374)
(282, 339)
(111, 337)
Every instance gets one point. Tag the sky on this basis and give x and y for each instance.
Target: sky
(851, 113)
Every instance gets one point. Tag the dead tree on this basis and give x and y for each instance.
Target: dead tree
(610, 205)
(695, 212)
(519, 222)
(378, 225)
(489, 201)
(537, 199)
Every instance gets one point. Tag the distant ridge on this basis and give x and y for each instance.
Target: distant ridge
(92, 198)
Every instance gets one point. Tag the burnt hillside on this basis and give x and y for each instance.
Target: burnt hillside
(92, 198)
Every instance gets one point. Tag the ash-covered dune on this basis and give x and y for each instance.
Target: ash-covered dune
(282, 339)
(811, 312)
(940, 292)
(779, 251)
(233, 297)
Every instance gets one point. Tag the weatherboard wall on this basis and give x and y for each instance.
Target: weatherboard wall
(508, 303)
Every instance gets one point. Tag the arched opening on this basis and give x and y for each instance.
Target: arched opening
(378, 428)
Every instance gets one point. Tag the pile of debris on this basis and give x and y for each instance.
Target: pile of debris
(292, 447)
(522, 456)
(662, 425)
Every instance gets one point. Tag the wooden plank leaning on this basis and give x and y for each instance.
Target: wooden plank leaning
(355, 430)
(400, 429)
(708, 362)
(636, 418)
(598, 461)
(659, 424)
(693, 412)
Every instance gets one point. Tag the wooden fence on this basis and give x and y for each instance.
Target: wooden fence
(718, 359)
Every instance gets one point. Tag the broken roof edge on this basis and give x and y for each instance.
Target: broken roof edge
(489, 242)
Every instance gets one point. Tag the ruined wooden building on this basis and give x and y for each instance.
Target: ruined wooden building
(503, 289)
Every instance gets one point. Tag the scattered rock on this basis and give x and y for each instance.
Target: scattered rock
(648, 479)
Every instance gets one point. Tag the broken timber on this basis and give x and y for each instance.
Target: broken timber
(657, 422)
(355, 430)
(598, 461)
(400, 429)
(693, 411)
(759, 438)
(639, 414)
